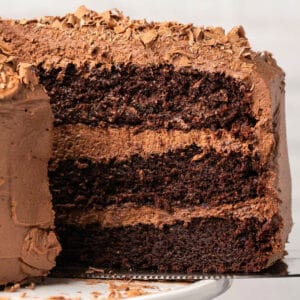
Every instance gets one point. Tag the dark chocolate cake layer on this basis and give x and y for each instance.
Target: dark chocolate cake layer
(149, 97)
(183, 177)
(205, 245)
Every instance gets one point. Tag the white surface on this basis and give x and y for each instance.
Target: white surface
(270, 25)
(100, 289)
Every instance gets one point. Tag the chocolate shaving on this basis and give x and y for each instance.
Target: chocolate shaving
(148, 37)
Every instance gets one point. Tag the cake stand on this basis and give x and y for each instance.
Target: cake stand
(72, 289)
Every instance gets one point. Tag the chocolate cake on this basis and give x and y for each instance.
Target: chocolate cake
(169, 147)
(28, 244)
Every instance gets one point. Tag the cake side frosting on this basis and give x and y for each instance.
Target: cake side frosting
(28, 243)
(281, 165)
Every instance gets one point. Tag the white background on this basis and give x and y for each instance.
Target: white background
(270, 25)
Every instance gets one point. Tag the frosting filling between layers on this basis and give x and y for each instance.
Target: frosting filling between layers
(79, 140)
(130, 214)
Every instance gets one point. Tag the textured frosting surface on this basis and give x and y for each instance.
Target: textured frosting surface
(28, 245)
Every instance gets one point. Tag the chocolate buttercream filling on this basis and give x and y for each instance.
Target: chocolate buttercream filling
(129, 214)
(79, 140)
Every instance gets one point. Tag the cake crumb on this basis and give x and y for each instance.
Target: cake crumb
(114, 295)
(23, 295)
(63, 298)
(12, 288)
(96, 294)
(144, 285)
(123, 286)
(135, 292)
(128, 288)
(93, 281)
(112, 285)
(31, 286)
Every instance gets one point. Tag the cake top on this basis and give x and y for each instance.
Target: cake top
(88, 37)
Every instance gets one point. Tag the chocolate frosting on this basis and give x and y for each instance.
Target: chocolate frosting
(71, 141)
(87, 37)
(28, 243)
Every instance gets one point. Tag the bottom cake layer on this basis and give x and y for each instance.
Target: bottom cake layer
(205, 245)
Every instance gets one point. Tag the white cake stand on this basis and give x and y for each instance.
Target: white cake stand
(72, 289)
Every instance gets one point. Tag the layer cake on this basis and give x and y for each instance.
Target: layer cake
(169, 145)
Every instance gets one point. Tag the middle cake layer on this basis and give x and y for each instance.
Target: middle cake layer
(191, 175)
